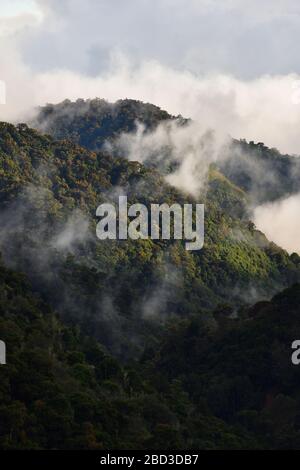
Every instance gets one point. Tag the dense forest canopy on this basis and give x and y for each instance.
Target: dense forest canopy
(140, 343)
(263, 173)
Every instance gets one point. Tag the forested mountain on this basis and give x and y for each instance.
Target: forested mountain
(228, 384)
(91, 123)
(263, 173)
(122, 290)
(240, 369)
(138, 343)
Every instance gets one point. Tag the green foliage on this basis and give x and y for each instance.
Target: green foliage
(214, 374)
(240, 368)
(264, 173)
(97, 284)
(91, 123)
(63, 390)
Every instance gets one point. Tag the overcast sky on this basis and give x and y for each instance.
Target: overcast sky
(234, 63)
(246, 38)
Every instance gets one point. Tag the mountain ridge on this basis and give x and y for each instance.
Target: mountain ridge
(137, 344)
(264, 173)
(53, 189)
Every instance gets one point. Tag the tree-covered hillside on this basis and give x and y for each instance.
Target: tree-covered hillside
(62, 390)
(239, 368)
(224, 384)
(263, 173)
(138, 344)
(122, 291)
(90, 123)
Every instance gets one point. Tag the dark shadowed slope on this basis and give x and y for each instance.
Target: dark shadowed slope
(90, 123)
(240, 368)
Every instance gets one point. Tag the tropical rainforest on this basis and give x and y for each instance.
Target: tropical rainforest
(141, 344)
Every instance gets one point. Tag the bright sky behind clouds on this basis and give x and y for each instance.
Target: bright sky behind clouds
(17, 7)
(233, 64)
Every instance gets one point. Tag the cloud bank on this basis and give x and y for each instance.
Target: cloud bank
(183, 152)
(230, 66)
(280, 222)
(156, 52)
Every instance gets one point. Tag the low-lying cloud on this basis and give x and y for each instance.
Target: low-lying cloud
(181, 150)
(265, 108)
(280, 222)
